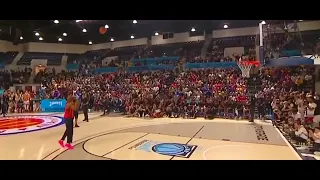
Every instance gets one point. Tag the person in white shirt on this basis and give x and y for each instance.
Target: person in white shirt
(300, 134)
(310, 109)
(301, 109)
(315, 136)
(296, 116)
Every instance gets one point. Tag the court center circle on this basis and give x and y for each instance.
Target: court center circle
(26, 123)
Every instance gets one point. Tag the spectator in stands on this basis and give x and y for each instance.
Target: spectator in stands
(300, 133)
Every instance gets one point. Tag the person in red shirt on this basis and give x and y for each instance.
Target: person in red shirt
(71, 106)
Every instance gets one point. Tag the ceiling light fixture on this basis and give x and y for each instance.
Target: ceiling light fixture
(106, 26)
(111, 39)
(64, 34)
(90, 42)
(84, 30)
(134, 21)
(56, 21)
(40, 38)
(156, 34)
(60, 39)
(37, 34)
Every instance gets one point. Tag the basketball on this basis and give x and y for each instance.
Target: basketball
(102, 30)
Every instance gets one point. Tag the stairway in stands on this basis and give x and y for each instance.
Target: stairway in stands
(16, 59)
(64, 60)
(31, 78)
(204, 49)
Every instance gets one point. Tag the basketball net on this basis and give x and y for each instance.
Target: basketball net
(246, 66)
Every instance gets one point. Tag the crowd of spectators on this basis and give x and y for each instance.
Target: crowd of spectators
(193, 93)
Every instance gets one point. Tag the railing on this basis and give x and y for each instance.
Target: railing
(210, 65)
(150, 61)
(150, 68)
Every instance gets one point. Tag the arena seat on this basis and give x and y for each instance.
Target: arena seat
(53, 58)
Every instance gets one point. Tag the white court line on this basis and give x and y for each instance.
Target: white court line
(222, 146)
(288, 144)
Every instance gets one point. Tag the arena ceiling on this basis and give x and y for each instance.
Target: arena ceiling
(50, 31)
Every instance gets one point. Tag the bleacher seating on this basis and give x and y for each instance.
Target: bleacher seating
(72, 58)
(240, 41)
(7, 57)
(54, 59)
(95, 56)
(175, 49)
(125, 51)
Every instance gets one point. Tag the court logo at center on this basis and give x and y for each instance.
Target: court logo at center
(168, 149)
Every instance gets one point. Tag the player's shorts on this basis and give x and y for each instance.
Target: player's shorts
(26, 102)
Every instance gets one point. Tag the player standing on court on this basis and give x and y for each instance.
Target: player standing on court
(71, 106)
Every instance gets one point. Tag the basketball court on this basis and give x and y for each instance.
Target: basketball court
(121, 138)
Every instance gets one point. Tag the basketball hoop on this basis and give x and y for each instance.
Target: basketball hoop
(246, 66)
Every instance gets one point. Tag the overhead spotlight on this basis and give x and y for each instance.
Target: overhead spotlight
(79, 20)
(263, 22)
(84, 30)
(131, 36)
(225, 26)
(64, 34)
(56, 21)
(59, 39)
(134, 21)
(21, 37)
(156, 34)
(90, 42)
(37, 34)
(106, 26)
(111, 39)
(40, 38)
(193, 29)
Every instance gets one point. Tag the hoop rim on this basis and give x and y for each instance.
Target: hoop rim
(247, 63)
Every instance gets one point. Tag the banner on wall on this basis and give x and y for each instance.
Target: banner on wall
(53, 105)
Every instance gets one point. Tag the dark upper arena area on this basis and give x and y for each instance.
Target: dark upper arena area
(118, 29)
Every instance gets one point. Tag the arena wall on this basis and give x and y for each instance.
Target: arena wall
(54, 47)
(6, 46)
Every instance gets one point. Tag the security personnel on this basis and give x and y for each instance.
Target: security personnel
(85, 107)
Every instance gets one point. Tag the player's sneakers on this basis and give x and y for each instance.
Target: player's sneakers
(61, 143)
(69, 146)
